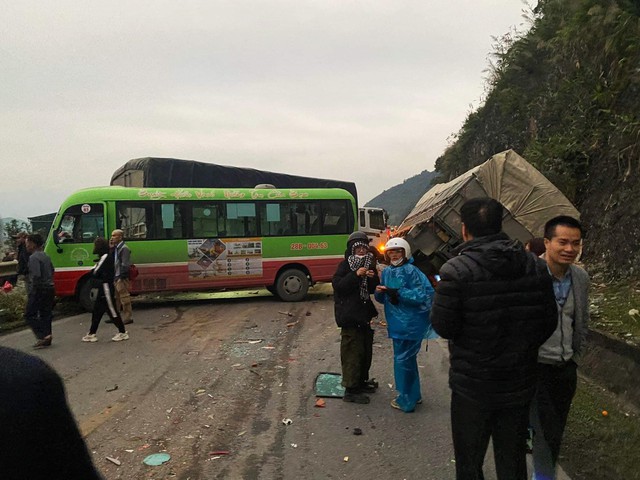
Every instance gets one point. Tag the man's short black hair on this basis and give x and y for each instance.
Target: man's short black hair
(565, 221)
(482, 216)
(36, 238)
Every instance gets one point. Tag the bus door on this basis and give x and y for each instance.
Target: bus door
(73, 236)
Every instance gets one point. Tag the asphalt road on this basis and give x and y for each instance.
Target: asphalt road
(209, 381)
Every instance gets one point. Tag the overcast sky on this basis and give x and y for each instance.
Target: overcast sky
(364, 91)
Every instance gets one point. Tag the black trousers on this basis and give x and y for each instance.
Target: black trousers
(549, 411)
(105, 302)
(39, 311)
(472, 424)
(356, 353)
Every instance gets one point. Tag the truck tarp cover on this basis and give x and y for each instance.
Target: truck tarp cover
(172, 172)
(531, 199)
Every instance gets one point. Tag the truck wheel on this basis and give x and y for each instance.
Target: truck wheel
(292, 285)
(84, 296)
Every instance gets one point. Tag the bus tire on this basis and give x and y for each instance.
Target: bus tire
(292, 285)
(84, 296)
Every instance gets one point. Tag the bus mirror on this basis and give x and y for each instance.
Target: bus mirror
(56, 240)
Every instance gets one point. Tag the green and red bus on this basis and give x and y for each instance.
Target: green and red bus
(205, 238)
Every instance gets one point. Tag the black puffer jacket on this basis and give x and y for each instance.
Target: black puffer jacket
(350, 309)
(495, 302)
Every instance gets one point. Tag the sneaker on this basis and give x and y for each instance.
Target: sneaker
(108, 320)
(43, 343)
(394, 404)
(127, 322)
(90, 337)
(120, 336)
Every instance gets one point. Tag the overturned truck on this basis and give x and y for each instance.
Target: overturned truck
(432, 228)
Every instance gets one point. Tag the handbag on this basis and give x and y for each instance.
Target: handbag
(133, 272)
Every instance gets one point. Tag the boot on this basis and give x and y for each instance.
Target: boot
(354, 395)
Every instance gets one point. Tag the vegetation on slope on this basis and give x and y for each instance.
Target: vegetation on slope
(565, 96)
(400, 199)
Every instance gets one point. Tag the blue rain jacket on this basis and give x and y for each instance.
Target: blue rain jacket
(409, 319)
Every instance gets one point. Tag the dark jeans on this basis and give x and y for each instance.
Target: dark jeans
(472, 424)
(105, 302)
(356, 353)
(39, 311)
(549, 411)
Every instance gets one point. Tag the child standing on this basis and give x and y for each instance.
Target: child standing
(353, 283)
(406, 294)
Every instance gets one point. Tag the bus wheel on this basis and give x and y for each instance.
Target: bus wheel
(84, 296)
(292, 285)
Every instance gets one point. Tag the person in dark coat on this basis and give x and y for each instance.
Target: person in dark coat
(39, 438)
(40, 291)
(496, 305)
(353, 283)
(22, 255)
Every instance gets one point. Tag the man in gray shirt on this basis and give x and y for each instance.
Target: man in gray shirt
(41, 293)
(557, 357)
(122, 283)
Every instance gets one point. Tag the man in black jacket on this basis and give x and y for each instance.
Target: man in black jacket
(495, 303)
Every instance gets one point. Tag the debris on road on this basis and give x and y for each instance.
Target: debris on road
(156, 459)
(294, 445)
(346, 459)
(287, 421)
(320, 403)
(220, 452)
(112, 389)
(288, 314)
(357, 431)
(115, 461)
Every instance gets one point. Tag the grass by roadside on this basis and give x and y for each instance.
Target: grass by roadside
(599, 446)
(615, 309)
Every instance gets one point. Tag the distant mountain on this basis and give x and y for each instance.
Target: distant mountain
(399, 200)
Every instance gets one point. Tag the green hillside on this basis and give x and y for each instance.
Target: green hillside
(566, 96)
(399, 200)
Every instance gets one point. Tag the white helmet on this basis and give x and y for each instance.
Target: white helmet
(397, 242)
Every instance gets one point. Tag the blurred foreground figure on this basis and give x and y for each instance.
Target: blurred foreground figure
(39, 438)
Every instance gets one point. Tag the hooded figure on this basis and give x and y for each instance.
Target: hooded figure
(353, 283)
(406, 294)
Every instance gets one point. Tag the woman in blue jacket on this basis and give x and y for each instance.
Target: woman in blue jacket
(406, 294)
